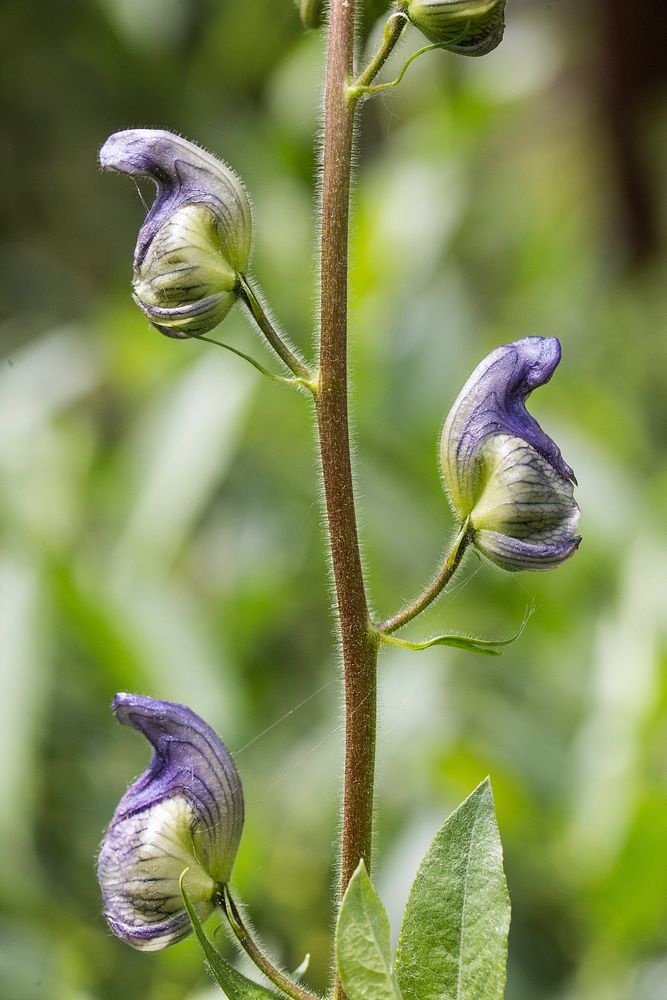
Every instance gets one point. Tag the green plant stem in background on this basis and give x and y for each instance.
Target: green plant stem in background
(254, 952)
(359, 651)
(449, 567)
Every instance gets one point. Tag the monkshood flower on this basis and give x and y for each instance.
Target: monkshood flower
(467, 27)
(184, 811)
(195, 242)
(504, 475)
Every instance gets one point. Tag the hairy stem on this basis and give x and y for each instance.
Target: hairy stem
(451, 563)
(359, 651)
(282, 349)
(256, 955)
(361, 89)
(393, 30)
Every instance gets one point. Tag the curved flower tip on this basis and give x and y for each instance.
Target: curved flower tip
(467, 27)
(184, 811)
(502, 472)
(195, 242)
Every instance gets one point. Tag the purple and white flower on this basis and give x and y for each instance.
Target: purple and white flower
(503, 474)
(195, 242)
(184, 812)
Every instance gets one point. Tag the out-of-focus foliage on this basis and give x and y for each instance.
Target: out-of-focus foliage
(159, 517)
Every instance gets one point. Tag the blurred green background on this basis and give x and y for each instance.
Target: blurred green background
(160, 528)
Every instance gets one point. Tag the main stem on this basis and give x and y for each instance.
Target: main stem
(359, 652)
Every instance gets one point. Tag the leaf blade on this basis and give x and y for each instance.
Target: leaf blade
(363, 951)
(453, 942)
(484, 647)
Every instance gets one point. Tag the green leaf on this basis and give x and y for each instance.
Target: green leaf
(485, 647)
(363, 952)
(235, 985)
(453, 942)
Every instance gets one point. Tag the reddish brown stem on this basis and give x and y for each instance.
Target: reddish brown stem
(359, 652)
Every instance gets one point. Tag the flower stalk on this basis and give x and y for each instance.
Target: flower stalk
(393, 30)
(274, 339)
(449, 567)
(255, 953)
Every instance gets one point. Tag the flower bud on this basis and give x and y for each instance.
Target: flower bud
(195, 242)
(184, 812)
(467, 27)
(504, 475)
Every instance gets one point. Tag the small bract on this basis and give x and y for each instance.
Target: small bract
(467, 27)
(195, 242)
(312, 13)
(503, 474)
(184, 812)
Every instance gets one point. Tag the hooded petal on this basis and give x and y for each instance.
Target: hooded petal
(184, 811)
(184, 174)
(493, 401)
(195, 242)
(503, 473)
